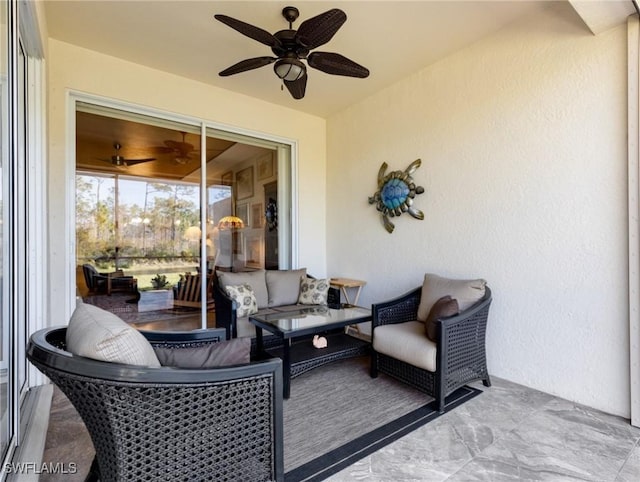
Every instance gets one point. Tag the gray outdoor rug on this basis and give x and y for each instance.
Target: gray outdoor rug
(338, 414)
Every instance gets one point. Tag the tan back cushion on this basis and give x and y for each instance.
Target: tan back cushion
(434, 287)
(101, 335)
(283, 286)
(255, 279)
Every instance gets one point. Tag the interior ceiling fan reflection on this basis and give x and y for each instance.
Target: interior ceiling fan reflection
(121, 161)
(292, 46)
(182, 150)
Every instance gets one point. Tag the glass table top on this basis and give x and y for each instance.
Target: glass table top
(313, 317)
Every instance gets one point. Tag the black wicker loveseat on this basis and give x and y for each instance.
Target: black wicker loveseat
(167, 423)
(460, 340)
(285, 286)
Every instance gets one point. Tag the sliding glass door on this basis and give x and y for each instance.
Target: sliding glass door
(158, 210)
(20, 170)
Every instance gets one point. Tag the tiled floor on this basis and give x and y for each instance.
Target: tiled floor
(509, 432)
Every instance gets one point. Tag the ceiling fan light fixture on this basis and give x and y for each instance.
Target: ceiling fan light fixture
(289, 69)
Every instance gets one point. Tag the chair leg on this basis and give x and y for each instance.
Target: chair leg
(487, 381)
(440, 403)
(374, 365)
(94, 472)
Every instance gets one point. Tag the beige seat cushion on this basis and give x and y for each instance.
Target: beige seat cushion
(255, 279)
(434, 287)
(245, 328)
(406, 342)
(101, 335)
(283, 286)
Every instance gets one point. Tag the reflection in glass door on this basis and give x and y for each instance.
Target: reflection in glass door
(158, 209)
(138, 217)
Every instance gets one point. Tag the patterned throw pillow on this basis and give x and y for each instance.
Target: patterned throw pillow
(245, 299)
(313, 291)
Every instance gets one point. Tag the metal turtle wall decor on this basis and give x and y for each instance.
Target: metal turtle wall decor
(395, 194)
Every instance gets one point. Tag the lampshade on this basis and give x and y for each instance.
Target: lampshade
(192, 233)
(231, 222)
(289, 69)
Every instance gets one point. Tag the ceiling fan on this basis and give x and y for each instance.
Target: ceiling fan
(292, 46)
(120, 161)
(182, 149)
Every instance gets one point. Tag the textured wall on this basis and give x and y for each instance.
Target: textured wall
(83, 70)
(523, 143)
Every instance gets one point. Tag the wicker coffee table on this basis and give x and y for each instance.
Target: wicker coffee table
(297, 328)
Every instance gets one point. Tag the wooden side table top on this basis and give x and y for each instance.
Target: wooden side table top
(346, 283)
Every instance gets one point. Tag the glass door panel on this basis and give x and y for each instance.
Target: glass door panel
(138, 215)
(5, 239)
(237, 200)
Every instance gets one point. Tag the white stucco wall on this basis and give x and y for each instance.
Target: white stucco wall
(523, 143)
(78, 69)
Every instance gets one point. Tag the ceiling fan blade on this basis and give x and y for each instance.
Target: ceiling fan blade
(133, 162)
(336, 64)
(179, 146)
(297, 87)
(250, 31)
(248, 64)
(318, 30)
(120, 167)
(160, 149)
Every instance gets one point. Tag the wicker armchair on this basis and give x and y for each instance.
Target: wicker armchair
(172, 424)
(460, 357)
(108, 282)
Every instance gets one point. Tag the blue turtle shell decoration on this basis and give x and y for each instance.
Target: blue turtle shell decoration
(395, 193)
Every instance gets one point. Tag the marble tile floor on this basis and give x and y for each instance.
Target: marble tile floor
(509, 432)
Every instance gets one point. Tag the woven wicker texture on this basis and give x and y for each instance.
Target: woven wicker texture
(217, 431)
(461, 347)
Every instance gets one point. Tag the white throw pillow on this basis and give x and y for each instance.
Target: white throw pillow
(313, 291)
(245, 299)
(434, 287)
(101, 335)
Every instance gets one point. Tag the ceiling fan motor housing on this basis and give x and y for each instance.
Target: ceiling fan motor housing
(289, 44)
(118, 160)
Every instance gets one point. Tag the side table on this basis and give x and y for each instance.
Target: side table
(344, 283)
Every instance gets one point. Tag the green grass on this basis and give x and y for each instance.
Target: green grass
(144, 280)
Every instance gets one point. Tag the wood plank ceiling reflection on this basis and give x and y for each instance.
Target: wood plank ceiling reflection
(96, 135)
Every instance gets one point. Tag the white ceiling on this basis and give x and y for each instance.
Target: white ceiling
(391, 39)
